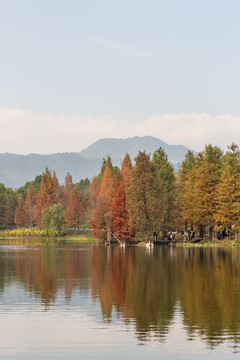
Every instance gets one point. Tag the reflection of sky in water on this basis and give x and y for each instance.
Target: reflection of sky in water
(76, 330)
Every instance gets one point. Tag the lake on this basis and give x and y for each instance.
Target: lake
(80, 301)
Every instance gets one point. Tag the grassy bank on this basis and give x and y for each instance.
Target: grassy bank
(210, 243)
(25, 233)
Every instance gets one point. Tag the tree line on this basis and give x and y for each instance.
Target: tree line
(142, 200)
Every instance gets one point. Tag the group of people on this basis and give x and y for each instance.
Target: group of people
(221, 234)
(189, 235)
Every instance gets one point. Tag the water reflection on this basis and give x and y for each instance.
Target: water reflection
(149, 290)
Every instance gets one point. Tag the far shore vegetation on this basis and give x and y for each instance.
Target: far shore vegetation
(147, 200)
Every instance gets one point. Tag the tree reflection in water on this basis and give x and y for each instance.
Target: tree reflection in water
(142, 288)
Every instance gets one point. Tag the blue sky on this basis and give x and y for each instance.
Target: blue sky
(122, 60)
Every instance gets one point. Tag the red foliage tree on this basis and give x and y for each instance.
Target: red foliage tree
(119, 215)
(75, 210)
(101, 218)
(20, 214)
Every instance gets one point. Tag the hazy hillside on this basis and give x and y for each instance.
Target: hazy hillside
(15, 170)
(117, 148)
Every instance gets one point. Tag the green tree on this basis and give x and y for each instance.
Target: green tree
(23, 190)
(166, 177)
(52, 217)
(227, 213)
(82, 185)
(199, 191)
(146, 201)
(184, 173)
(7, 205)
(29, 205)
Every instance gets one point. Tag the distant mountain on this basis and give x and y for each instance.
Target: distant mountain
(15, 170)
(117, 148)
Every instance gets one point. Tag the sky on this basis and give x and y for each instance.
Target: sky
(74, 71)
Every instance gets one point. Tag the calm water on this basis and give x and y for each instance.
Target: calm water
(68, 301)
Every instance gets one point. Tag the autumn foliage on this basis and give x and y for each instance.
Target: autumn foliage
(148, 198)
(119, 215)
(75, 210)
(48, 194)
(20, 214)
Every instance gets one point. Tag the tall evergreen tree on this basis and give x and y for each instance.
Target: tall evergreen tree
(184, 172)
(29, 205)
(199, 190)
(67, 189)
(166, 177)
(146, 202)
(7, 205)
(227, 213)
(126, 169)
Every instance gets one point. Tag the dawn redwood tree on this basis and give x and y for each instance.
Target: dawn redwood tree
(119, 215)
(94, 191)
(48, 194)
(126, 169)
(108, 184)
(200, 189)
(184, 173)
(20, 214)
(146, 202)
(29, 206)
(227, 213)
(167, 179)
(8, 219)
(74, 211)
(67, 189)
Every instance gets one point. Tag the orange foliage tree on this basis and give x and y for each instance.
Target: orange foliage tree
(75, 210)
(20, 214)
(126, 169)
(48, 194)
(119, 214)
(108, 184)
(29, 206)
(67, 189)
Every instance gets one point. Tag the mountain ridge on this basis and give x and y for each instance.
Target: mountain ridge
(16, 169)
(132, 145)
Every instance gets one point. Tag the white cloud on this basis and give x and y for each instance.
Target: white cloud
(26, 132)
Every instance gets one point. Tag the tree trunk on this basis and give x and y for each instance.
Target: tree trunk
(201, 232)
(211, 233)
(109, 236)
